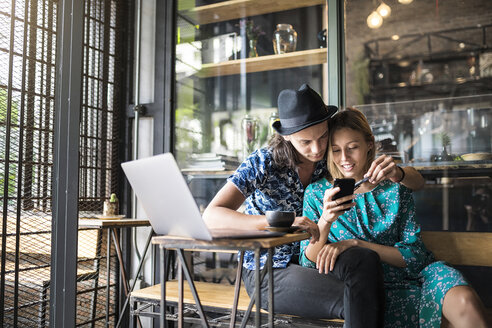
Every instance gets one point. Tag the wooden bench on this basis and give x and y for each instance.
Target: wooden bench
(457, 248)
(214, 297)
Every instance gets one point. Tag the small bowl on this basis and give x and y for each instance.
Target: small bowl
(282, 219)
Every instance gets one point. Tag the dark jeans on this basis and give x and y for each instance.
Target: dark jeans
(353, 291)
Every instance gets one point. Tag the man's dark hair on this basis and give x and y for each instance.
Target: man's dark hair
(284, 154)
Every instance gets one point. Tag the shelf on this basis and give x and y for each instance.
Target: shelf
(451, 83)
(190, 175)
(233, 9)
(457, 182)
(453, 169)
(428, 169)
(265, 63)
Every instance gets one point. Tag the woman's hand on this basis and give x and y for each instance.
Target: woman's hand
(306, 224)
(327, 256)
(333, 208)
(383, 168)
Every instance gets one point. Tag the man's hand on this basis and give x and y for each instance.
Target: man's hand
(306, 224)
(383, 168)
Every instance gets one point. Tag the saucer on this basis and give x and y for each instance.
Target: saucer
(283, 229)
(110, 217)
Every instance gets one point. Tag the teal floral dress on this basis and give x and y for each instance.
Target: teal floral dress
(386, 216)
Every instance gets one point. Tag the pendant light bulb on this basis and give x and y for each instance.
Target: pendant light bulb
(405, 2)
(384, 10)
(374, 20)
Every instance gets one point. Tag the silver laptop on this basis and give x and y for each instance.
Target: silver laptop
(171, 209)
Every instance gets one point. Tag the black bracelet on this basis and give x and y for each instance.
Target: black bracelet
(402, 173)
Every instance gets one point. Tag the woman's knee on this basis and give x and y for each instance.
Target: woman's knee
(461, 301)
(466, 297)
(462, 308)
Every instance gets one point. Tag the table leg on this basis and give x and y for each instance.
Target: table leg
(251, 302)
(108, 274)
(270, 286)
(126, 287)
(140, 266)
(186, 271)
(95, 285)
(237, 289)
(162, 319)
(257, 288)
(132, 320)
(180, 295)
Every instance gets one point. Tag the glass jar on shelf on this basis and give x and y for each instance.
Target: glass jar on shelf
(272, 119)
(284, 39)
(249, 125)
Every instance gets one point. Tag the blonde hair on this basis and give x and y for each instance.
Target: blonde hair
(353, 119)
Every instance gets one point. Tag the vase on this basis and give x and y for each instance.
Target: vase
(284, 39)
(249, 126)
(252, 48)
(445, 156)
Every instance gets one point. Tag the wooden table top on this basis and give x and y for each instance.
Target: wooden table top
(226, 243)
(114, 223)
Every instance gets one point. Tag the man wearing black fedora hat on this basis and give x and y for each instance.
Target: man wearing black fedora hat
(300, 109)
(274, 178)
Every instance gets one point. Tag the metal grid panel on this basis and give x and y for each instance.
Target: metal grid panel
(27, 82)
(99, 123)
(98, 160)
(27, 64)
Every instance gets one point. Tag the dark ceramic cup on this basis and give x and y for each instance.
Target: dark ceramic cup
(280, 219)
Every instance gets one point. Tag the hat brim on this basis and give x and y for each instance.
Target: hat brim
(277, 125)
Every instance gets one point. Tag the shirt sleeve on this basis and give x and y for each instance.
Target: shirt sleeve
(411, 246)
(311, 210)
(249, 174)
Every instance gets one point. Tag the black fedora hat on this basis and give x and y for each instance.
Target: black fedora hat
(300, 109)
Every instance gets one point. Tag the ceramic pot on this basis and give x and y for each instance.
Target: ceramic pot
(110, 208)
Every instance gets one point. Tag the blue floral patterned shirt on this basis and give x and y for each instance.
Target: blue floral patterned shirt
(269, 187)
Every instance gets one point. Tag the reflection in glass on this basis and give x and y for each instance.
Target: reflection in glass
(428, 98)
(227, 69)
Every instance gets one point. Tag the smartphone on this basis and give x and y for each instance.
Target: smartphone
(346, 188)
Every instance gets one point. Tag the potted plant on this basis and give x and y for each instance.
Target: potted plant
(253, 32)
(446, 142)
(111, 206)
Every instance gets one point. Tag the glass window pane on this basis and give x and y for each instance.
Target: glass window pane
(423, 78)
(228, 67)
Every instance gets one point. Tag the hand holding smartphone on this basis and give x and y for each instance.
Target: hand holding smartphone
(346, 188)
